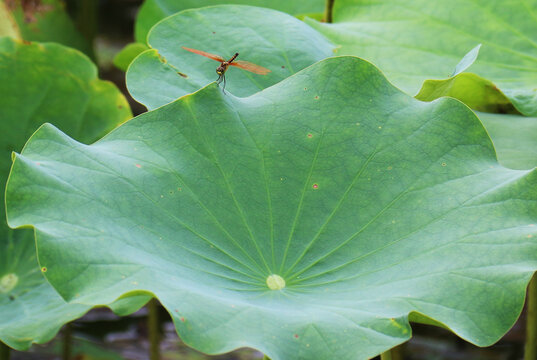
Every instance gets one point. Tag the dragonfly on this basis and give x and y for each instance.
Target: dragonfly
(221, 70)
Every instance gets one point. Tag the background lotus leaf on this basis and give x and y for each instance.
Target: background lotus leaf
(8, 25)
(366, 202)
(514, 137)
(413, 41)
(152, 11)
(478, 93)
(123, 59)
(284, 45)
(45, 20)
(44, 83)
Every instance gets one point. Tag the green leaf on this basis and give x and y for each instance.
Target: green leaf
(478, 93)
(123, 59)
(514, 138)
(44, 83)
(30, 311)
(284, 45)
(47, 20)
(37, 79)
(413, 41)
(366, 202)
(467, 61)
(152, 11)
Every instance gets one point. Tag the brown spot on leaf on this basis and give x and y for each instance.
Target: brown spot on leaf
(30, 8)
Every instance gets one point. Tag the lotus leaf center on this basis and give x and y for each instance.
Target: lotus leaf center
(275, 282)
(9, 281)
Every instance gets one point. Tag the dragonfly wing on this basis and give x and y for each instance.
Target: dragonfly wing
(206, 54)
(248, 66)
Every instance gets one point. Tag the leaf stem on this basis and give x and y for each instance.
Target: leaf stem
(86, 21)
(4, 351)
(67, 341)
(530, 348)
(386, 355)
(395, 353)
(154, 333)
(328, 11)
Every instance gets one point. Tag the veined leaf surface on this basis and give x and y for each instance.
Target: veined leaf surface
(307, 220)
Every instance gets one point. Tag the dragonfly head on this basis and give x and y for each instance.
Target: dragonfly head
(220, 70)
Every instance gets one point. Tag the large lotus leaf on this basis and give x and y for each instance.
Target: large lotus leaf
(412, 41)
(152, 11)
(284, 45)
(514, 137)
(44, 83)
(307, 220)
(46, 20)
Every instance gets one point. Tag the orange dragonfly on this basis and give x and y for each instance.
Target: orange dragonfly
(221, 70)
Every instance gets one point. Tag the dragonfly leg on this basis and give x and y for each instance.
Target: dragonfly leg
(220, 79)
